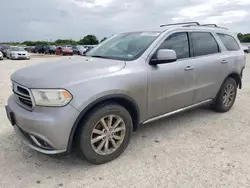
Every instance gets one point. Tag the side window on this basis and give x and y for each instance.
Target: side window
(229, 42)
(203, 44)
(179, 43)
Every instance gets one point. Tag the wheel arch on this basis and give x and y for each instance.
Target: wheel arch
(127, 102)
(237, 77)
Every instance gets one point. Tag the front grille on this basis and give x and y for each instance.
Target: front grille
(23, 96)
(20, 54)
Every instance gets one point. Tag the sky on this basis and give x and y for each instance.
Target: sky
(73, 19)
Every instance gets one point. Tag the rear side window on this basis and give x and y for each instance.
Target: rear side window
(179, 43)
(203, 44)
(229, 42)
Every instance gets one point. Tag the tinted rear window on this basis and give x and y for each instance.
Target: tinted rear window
(229, 42)
(203, 43)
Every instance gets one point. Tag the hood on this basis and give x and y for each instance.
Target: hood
(65, 72)
(23, 52)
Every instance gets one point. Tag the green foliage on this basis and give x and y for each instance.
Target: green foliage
(89, 40)
(240, 36)
(34, 43)
(15, 43)
(65, 42)
(244, 37)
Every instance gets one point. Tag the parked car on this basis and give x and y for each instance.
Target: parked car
(16, 52)
(132, 78)
(66, 51)
(79, 50)
(58, 50)
(1, 55)
(246, 49)
(3, 49)
(39, 49)
(29, 49)
(88, 48)
(50, 49)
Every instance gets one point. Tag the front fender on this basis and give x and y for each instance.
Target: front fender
(94, 103)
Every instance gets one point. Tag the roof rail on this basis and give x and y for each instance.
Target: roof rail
(214, 26)
(207, 25)
(183, 23)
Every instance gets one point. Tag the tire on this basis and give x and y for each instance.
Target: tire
(94, 120)
(220, 105)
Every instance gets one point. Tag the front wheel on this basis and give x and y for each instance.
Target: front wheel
(226, 96)
(105, 134)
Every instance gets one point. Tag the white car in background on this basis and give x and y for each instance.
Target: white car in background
(16, 52)
(1, 55)
(246, 49)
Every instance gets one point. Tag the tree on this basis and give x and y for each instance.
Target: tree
(103, 39)
(65, 42)
(240, 36)
(246, 38)
(89, 40)
(30, 43)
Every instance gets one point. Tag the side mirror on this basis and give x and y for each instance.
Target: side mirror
(164, 56)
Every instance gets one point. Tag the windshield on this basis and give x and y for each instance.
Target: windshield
(126, 46)
(17, 49)
(66, 48)
(79, 47)
(52, 47)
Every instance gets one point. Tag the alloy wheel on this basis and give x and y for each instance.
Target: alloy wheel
(108, 134)
(228, 95)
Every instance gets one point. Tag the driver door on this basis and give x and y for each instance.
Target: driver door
(171, 85)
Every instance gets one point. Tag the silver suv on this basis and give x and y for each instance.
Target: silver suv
(95, 102)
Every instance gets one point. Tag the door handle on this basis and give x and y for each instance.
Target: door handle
(224, 62)
(188, 68)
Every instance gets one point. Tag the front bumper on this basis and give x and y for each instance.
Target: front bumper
(20, 57)
(67, 53)
(50, 125)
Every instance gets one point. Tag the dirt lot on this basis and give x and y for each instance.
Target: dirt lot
(199, 148)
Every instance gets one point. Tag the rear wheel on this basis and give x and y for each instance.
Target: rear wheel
(105, 134)
(226, 96)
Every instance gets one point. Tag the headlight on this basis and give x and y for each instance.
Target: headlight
(51, 97)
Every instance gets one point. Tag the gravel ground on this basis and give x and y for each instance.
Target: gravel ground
(199, 148)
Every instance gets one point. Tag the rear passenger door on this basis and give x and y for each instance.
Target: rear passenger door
(209, 65)
(233, 55)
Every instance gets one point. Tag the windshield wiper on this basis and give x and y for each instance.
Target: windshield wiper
(99, 56)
